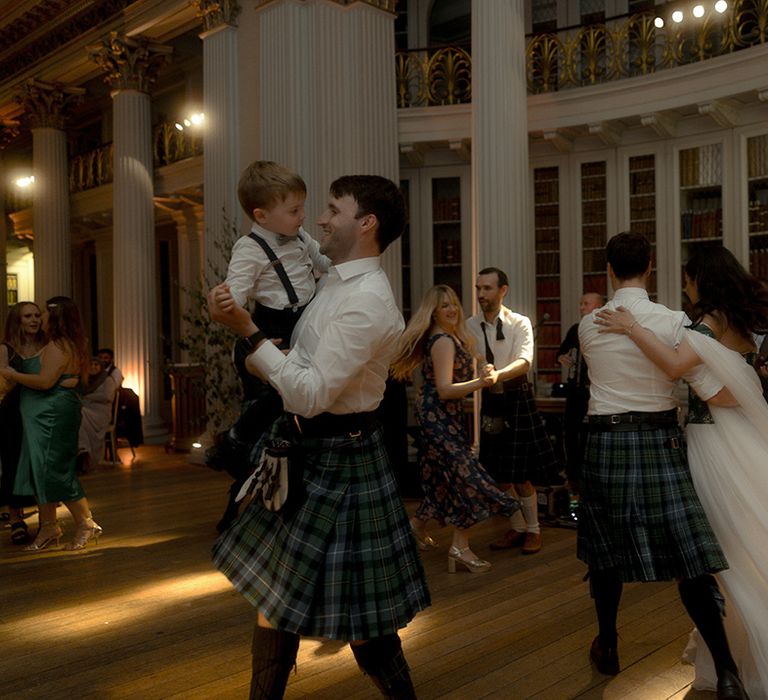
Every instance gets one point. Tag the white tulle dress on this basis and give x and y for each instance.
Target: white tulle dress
(729, 466)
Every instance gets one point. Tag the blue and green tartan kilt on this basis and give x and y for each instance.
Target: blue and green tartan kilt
(639, 512)
(522, 451)
(342, 566)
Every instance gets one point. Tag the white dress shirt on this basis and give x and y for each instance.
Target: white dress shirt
(622, 378)
(250, 274)
(342, 345)
(518, 337)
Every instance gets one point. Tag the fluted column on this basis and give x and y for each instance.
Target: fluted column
(46, 105)
(9, 129)
(221, 166)
(327, 96)
(130, 64)
(501, 221)
(189, 227)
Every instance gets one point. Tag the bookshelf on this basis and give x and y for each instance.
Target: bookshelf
(547, 229)
(594, 213)
(757, 189)
(642, 205)
(701, 198)
(446, 232)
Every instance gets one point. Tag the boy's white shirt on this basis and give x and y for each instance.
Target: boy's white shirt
(250, 274)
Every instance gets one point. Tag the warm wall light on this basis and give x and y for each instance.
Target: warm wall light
(24, 182)
(677, 16)
(721, 6)
(191, 120)
(658, 23)
(698, 11)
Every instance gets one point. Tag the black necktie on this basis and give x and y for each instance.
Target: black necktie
(488, 351)
(499, 332)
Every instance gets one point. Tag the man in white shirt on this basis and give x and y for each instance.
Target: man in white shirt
(344, 565)
(514, 446)
(639, 516)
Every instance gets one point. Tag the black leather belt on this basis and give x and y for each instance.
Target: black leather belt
(517, 384)
(632, 421)
(326, 425)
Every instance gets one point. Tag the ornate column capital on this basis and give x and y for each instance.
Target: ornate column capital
(130, 63)
(386, 5)
(47, 104)
(216, 13)
(9, 130)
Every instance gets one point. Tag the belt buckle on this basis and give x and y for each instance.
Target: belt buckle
(615, 419)
(355, 435)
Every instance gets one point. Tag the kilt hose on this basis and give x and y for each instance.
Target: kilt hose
(344, 565)
(639, 512)
(522, 451)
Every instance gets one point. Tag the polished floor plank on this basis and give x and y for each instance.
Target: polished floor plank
(142, 615)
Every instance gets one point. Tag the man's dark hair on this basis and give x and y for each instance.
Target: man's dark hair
(629, 254)
(500, 275)
(106, 351)
(378, 196)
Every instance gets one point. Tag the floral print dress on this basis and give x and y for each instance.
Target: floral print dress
(457, 489)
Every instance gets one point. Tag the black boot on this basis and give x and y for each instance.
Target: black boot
(705, 605)
(382, 659)
(606, 587)
(274, 655)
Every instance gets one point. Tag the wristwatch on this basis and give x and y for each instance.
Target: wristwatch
(250, 343)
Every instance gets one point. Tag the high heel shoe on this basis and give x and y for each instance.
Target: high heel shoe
(47, 533)
(475, 566)
(87, 530)
(424, 541)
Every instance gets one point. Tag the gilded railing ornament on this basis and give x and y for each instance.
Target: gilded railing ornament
(47, 104)
(589, 55)
(130, 63)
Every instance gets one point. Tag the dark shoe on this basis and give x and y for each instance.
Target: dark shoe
(532, 543)
(382, 659)
(730, 687)
(19, 532)
(606, 659)
(510, 539)
(273, 656)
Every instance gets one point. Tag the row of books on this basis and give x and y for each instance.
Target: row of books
(643, 208)
(594, 237)
(647, 228)
(541, 174)
(641, 162)
(593, 189)
(701, 224)
(547, 263)
(757, 156)
(591, 169)
(642, 183)
(594, 260)
(758, 217)
(758, 263)
(547, 220)
(448, 209)
(548, 287)
(546, 191)
(548, 238)
(701, 166)
(447, 251)
(549, 335)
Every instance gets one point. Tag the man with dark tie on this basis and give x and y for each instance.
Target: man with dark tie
(514, 446)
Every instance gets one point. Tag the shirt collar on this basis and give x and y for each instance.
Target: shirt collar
(353, 268)
(629, 293)
(270, 236)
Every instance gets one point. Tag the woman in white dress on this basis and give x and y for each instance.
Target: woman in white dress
(727, 447)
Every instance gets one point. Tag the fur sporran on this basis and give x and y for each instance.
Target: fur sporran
(277, 480)
(492, 425)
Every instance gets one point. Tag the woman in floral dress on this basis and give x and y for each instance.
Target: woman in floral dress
(458, 491)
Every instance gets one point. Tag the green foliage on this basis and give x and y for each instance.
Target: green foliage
(210, 344)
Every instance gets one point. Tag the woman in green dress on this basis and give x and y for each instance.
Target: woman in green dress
(50, 412)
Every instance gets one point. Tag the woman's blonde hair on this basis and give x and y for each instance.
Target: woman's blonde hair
(413, 341)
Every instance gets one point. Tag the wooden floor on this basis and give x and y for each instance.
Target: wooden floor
(144, 615)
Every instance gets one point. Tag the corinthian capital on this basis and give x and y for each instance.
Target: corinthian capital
(215, 13)
(47, 104)
(386, 5)
(130, 63)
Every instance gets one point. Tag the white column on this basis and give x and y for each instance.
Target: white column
(50, 214)
(136, 293)
(327, 105)
(501, 222)
(221, 166)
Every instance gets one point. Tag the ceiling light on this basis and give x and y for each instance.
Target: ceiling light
(698, 11)
(24, 182)
(721, 6)
(658, 22)
(180, 127)
(677, 16)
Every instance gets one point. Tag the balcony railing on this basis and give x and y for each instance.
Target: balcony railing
(169, 145)
(588, 55)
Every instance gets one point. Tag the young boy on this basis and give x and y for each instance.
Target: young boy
(273, 266)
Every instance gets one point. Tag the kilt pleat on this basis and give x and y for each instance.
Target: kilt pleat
(522, 451)
(639, 512)
(344, 565)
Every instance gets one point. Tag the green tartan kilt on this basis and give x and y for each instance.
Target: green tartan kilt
(342, 566)
(639, 512)
(522, 451)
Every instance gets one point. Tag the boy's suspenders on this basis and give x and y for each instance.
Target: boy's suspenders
(279, 269)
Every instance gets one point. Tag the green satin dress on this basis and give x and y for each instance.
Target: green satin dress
(51, 420)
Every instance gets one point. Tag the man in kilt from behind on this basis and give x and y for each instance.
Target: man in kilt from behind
(514, 446)
(342, 564)
(639, 516)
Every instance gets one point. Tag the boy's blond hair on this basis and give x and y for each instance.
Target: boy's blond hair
(264, 183)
